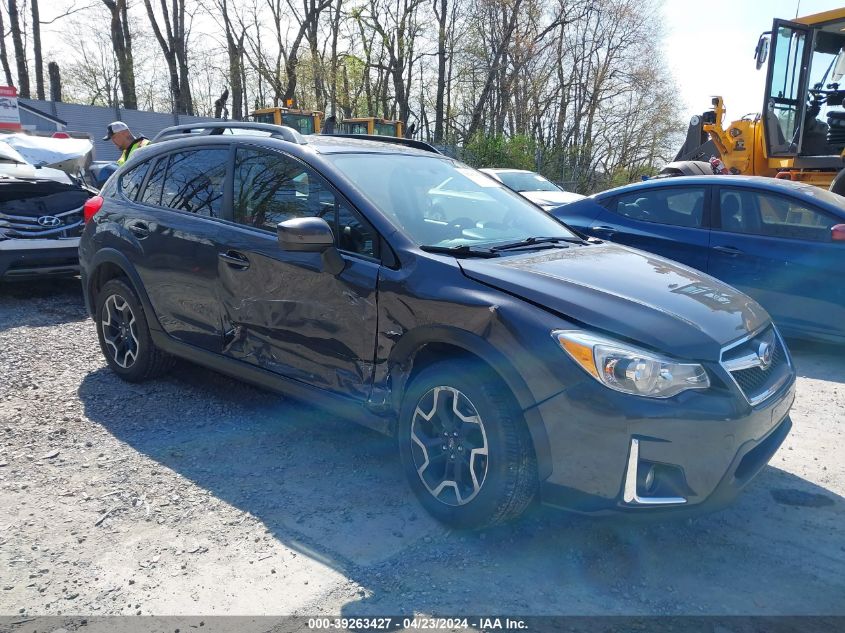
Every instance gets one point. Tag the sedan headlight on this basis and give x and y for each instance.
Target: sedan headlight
(629, 369)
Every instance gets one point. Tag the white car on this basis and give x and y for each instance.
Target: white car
(533, 186)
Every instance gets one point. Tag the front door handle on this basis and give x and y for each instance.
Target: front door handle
(139, 229)
(607, 230)
(234, 259)
(728, 250)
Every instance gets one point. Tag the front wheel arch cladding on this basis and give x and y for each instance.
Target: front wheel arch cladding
(402, 364)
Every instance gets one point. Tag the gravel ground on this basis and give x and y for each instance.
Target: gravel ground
(197, 494)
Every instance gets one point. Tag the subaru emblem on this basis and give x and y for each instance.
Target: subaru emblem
(764, 353)
(49, 221)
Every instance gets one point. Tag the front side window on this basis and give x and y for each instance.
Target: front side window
(676, 206)
(771, 215)
(270, 188)
(437, 201)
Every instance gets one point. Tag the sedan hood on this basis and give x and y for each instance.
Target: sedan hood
(627, 293)
(551, 198)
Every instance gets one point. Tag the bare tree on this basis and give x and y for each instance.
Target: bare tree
(36, 48)
(174, 44)
(4, 57)
(20, 50)
(121, 39)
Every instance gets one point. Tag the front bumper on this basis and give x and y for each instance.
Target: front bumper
(32, 258)
(702, 449)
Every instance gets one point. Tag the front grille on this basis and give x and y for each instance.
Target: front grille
(755, 379)
(27, 227)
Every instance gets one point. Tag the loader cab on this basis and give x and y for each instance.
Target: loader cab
(802, 116)
(372, 125)
(303, 121)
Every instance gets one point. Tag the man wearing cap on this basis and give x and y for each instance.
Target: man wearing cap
(119, 134)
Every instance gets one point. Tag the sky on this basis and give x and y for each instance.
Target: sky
(709, 47)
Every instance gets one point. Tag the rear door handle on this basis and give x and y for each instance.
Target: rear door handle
(234, 259)
(728, 250)
(139, 229)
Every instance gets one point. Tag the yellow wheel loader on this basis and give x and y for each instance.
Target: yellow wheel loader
(800, 134)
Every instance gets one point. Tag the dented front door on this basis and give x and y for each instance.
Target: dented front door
(282, 311)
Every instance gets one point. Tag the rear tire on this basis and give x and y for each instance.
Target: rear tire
(124, 334)
(465, 448)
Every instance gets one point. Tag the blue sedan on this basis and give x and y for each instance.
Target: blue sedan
(780, 242)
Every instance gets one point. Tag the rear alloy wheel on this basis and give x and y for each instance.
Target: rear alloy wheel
(465, 448)
(124, 335)
(120, 331)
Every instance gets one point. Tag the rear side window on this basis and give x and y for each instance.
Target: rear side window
(192, 181)
(130, 182)
(270, 188)
(758, 213)
(676, 206)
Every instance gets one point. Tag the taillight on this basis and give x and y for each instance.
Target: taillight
(837, 233)
(90, 208)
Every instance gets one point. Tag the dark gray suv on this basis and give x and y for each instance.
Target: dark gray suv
(511, 357)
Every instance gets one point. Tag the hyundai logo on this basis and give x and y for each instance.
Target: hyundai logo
(49, 221)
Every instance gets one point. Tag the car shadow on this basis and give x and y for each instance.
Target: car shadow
(41, 303)
(335, 492)
(822, 361)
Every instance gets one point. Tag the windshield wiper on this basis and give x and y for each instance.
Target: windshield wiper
(537, 241)
(464, 250)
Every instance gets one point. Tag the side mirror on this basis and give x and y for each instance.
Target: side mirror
(311, 235)
(837, 233)
(307, 235)
(761, 53)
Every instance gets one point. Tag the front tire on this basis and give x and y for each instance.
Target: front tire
(465, 447)
(124, 335)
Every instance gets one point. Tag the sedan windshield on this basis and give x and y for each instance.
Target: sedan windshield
(441, 202)
(526, 181)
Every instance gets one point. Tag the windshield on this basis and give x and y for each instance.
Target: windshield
(440, 202)
(526, 181)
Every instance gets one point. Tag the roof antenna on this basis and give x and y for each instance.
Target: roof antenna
(797, 8)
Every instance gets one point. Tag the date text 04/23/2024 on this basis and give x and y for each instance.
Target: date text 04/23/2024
(423, 623)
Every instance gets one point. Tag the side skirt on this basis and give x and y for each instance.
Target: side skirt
(342, 407)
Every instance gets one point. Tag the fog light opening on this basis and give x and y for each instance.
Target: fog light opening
(642, 479)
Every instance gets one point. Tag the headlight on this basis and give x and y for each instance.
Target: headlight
(629, 369)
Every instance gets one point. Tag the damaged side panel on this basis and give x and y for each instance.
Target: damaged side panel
(286, 314)
(416, 310)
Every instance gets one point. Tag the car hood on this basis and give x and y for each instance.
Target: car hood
(551, 198)
(627, 293)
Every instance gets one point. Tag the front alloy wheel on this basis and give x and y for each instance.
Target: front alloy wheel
(449, 445)
(119, 331)
(465, 446)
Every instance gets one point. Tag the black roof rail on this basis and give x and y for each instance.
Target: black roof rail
(408, 142)
(218, 127)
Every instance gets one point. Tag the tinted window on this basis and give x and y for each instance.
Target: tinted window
(130, 182)
(270, 188)
(194, 181)
(771, 215)
(152, 192)
(678, 206)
